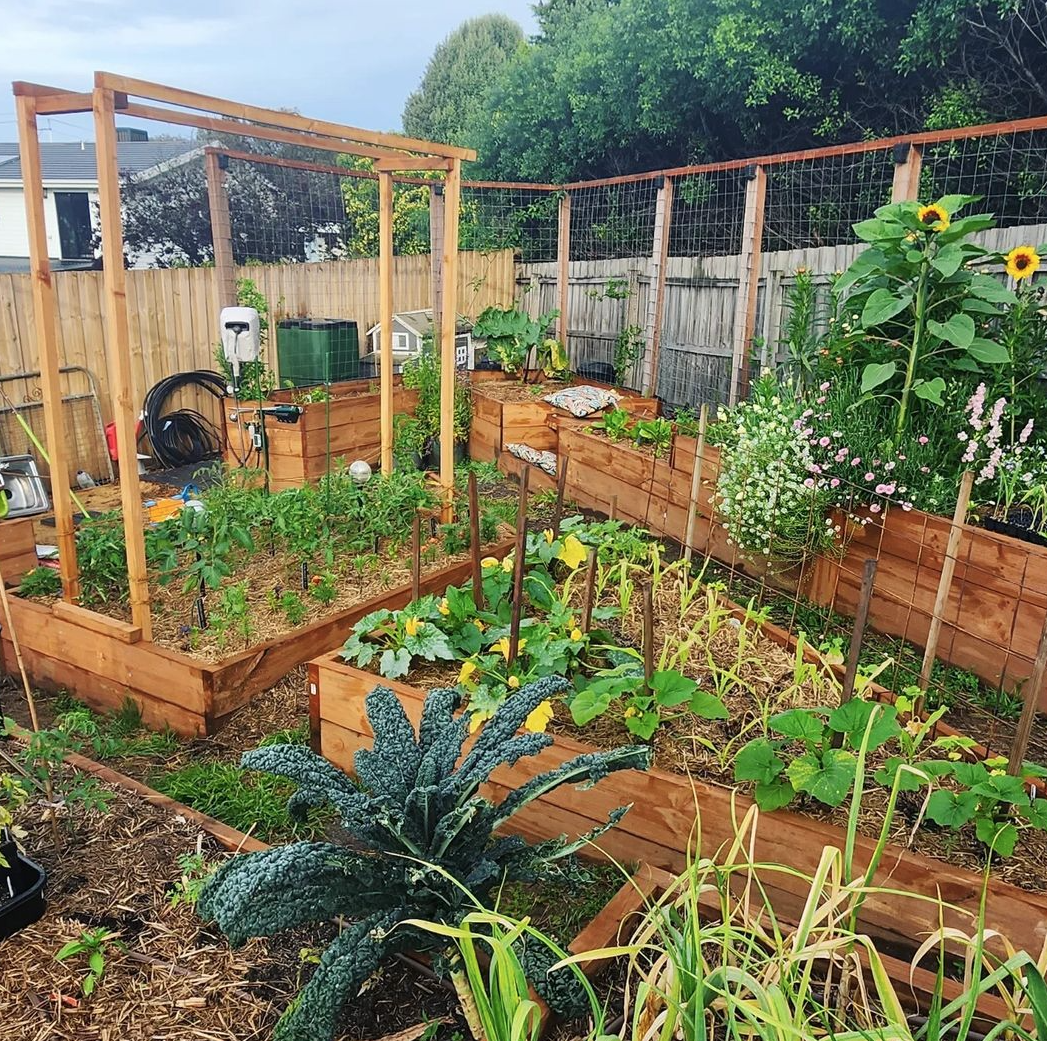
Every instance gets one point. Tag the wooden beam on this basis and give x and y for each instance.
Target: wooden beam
(221, 230)
(118, 354)
(385, 316)
(62, 104)
(748, 282)
(448, 330)
(410, 162)
(436, 251)
(656, 286)
(563, 267)
(25, 89)
(273, 117)
(908, 159)
(47, 343)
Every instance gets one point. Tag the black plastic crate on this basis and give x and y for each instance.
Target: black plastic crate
(22, 899)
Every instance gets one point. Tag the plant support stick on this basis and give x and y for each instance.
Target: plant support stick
(518, 566)
(474, 543)
(1033, 693)
(696, 481)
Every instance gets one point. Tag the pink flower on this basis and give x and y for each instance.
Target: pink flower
(824, 442)
(907, 506)
(809, 483)
(1026, 432)
(824, 386)
(923, 440)
(856, 460)
(870, 476)
(820, 401)
(874, 508)
(962, 435)
(835, 482)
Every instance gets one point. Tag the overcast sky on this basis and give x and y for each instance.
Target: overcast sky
(354, 61)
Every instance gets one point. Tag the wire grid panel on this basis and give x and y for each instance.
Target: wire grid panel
(1007, 171)
(516, 217)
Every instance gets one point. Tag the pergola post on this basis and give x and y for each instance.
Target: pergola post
(385, 314)
(663, 216)
(221, 230)
(563, 267)
(436, 251)
(448, 330)
(47, 345)
(908, 160)
(748, 281)
(118, 354)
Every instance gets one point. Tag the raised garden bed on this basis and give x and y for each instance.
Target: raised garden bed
(507, 411)
(998, 604)
(17, 548)
(662, 819)
(347, 426)
(103, 660)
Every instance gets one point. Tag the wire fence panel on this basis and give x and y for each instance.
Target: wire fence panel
(517, 217)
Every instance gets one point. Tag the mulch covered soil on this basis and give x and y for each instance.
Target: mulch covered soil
(177, 979)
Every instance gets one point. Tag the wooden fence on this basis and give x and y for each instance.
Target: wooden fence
(173, 313)
(699, 307)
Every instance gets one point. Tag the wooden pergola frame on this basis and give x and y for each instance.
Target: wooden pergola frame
(111, 94)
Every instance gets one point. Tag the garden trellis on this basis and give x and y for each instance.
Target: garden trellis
(389, 153)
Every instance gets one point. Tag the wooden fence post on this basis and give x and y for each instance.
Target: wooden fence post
(385, 317)
(663, 216)
(47, 345)
(221, 230)
(436, 250)
(563, 266)
(941, 598)
(1033, 692)
(748, 281)
(908, 160)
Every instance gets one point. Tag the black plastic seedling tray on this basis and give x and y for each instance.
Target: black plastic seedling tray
(22, 899)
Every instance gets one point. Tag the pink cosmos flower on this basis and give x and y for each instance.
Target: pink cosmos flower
(923, 440)
(869, 476)
(874, 508)
(824, 442)
(835, 482)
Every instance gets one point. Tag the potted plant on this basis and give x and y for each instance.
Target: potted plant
(22, 881)
(411, 442)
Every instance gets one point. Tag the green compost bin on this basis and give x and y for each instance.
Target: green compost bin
(317, 350)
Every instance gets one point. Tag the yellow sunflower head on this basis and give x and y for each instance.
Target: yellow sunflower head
(933, 217)
(1022, 262)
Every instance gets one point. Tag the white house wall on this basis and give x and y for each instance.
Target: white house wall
(14, 232)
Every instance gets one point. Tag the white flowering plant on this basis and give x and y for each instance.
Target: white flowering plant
(769, 497)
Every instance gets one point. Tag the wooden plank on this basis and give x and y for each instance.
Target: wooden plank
(906, 185)
(17, 549)
(125, 405)
(563, 266)
(385, 295)
(221, 232)
(97, 623)
(748, 286)
(47, 345)
(656, 279)
(448, 330)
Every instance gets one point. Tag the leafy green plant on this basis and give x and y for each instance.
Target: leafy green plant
(616, 424)
(629, 346)
(230, 613)
(398, 637)
(915, 289)
(409, 807)
(511, 335)
(322, 588)
(40, 582)
(292, 606)
(552, 359)
(95, 944)
(657, 433)
(194, 872)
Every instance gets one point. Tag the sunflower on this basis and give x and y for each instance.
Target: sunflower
(1022, 262)
(933, 217)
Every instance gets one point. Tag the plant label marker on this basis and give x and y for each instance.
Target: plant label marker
(474, 543)
(416, 557)
(561, 483)
(305, 574)
(518, 566)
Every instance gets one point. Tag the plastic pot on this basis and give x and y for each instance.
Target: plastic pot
(434, 454)
(22, 899)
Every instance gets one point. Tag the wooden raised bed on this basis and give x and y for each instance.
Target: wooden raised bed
(299, 452)
(658, 826)
(997, 606)
(103, 661)
(498, 423)
(17, 548)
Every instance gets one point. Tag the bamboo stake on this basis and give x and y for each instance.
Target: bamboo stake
(474, 543)
(861, 618)
(561, 484)
(590, 591)
(944, 584)
(648, 635)
(416, 557)
(696, 480)
(34, 719)
(1033, 691)
(518, 566)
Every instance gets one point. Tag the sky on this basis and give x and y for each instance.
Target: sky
(352, 61)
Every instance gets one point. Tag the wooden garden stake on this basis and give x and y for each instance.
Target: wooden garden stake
(648, 635)
(518, 566)
(590, 591)
(561, 484)
(1033, 691)
(416, 557)
(696, 481)
(861, 618)
(613, 514)
(941, 600)
(474, 543)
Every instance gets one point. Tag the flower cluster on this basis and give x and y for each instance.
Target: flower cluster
(984, 443)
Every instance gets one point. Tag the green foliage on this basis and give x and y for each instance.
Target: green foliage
(616, 424)
(93, 943)
(251, 803)
(257, 380)
(448, 102)
(194, 872)
(119, 735)
(422, 838)
(511, 335)
(629, 346)
(654, 433)
(39, 583)
(290, 603)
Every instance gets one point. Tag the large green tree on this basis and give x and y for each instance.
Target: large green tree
(448, 104)
(614, 86)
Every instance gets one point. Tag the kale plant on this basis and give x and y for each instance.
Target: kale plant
(422, 840)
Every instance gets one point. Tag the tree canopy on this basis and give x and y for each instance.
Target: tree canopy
(616, 86)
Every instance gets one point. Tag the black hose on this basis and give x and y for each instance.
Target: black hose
(183, 436)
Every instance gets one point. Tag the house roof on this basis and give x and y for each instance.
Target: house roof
(75, 160)
(420, 322)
